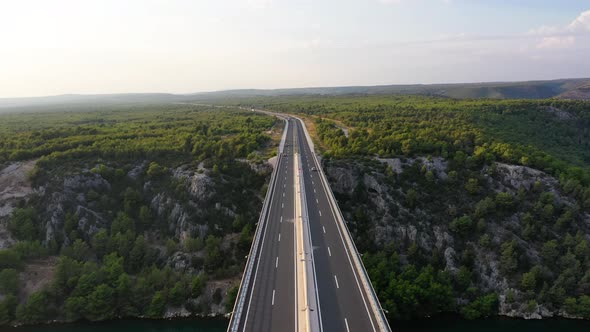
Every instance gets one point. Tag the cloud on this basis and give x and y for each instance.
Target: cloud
(557, 42)
(563, 37)
(581, 23)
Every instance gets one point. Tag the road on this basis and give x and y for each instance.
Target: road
(343, 302)
(271, 301)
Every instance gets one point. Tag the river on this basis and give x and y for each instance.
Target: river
(215, 325)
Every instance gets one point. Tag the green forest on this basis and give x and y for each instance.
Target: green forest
(109, 220)
(536, 238)
(140, 210)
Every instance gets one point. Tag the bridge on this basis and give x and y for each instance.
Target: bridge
(303, 271)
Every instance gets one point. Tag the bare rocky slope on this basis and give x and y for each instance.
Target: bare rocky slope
(503, 229)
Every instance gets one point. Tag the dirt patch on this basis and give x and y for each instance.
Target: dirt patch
(36, 275)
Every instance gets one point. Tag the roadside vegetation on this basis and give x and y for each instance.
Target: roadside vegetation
(426, 168)
(137, 211)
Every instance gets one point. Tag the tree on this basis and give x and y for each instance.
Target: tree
(482, 307)
(550, 252)
(23, 224)
(7, 309)
(157, 305)
(75, 307)
(100, 303)
(171, 247)
(464, 276)
(122, 224)
(197, 285)
(177, 294)
(411, 197)
(79, 250)
(100, 243)
(472, 186)
(112, 268)
(137, 255)
(9, 259)
(155, 170)
(213, 257)
(461, 225)
(529, 280)
(145, 216)
(505, 201)
(123, 290)
(35, 310)
(8, 282)
(485, 207)
(508, 258)
(231, 298)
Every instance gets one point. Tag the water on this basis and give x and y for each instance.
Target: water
(447, 324)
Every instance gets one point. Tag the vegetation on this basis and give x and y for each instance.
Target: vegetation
(471, 138)
(116, 185)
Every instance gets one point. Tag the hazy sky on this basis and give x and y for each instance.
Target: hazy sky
(110, 46)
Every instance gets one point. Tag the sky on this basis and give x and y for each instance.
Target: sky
(184, 46)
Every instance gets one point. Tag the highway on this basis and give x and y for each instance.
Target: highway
(271, 302)
(343, 302)
(268, 298)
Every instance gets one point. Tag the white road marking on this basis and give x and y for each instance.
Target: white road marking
(314, 191)
(277, 262)
(281, 218)
(273, 299)
(279, 237)
(316, 200)
(283, 194)
(346, 323)
(329, 252)
(312, 183)
(324, 228)
(336, 279)
(320, 213)
(282, 205)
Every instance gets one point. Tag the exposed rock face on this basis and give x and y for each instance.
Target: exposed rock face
(14, 186)
(560, 114)
(199, 183)
(389, 221)
(137, 171)
(84, 183)
(514, 177)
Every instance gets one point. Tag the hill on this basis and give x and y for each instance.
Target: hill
(578, 89)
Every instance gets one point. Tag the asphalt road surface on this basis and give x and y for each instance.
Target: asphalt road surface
(271, 301)
(343, 303)
(271, 304)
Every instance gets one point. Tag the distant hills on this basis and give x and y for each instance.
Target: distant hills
(563, 88)
(578, 89)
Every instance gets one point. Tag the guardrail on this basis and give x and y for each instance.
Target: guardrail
(364, 276)
(234, 322)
